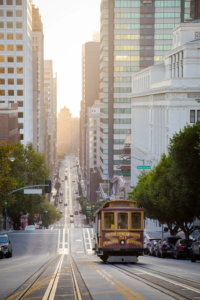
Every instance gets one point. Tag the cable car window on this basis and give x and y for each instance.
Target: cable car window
(125, 204)
(117, 203)
(108, 220)
(135, 221)
(122, 221)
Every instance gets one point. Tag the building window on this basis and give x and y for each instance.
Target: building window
(1, 2)
(18, 2)
(21, 126)
(20, 81)
(163, 37)
(95, 156)
(9, 36)
(192, 116)
(2, 70)
(122, 90)
(127, 26)
(19, 36)
(95, 150)
(18, 25)
(20, 103)
(10, 47)
(2, 93)
(20, 114)
(122, 100)
(127, 15)
(95, 138)
(2, 59)
(9, 13)
(1, 47)
(2, 81)
(10, 58)
(9, 2)
(127, 58)
(19, 70)
(19, 59)
(19, 47)
(167, 15)
(127, 4)
(168, 3)
(122, 79)
(126, 69)
(95, 162)
(1, 36)
(122, 121)
(9, 24)
(198, 115)
(20, 93)
(10, 81)
(105, 172)
(21, 137)
(126, 37)
(19, 13)
(1, 24)
(95, 144)
(10, 70)
(10, 92)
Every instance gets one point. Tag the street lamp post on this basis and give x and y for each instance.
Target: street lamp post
(11, 159)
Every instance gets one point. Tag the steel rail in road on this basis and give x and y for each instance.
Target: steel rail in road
(23, 293)
(155, 283)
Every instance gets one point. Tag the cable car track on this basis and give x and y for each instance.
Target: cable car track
(163, 286)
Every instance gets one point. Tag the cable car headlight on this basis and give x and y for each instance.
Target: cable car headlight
(122, 242)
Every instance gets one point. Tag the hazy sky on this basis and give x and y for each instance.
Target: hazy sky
(67, 25)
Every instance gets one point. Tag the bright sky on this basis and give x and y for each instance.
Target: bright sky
(67, 25)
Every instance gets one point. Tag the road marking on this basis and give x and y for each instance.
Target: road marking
(171, 281)
(54, 278)
(58, 240)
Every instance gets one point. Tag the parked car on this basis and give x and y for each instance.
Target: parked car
(166, 246)
(195, 250)
(61, 193)
(154, 242)
(148, 245)
(30, 227)
(60, 201)
(182, 248)
(61, 211)
(1, 252)
(76, 212)
(5, 244)
(65, 204)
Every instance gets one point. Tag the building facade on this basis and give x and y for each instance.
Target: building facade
(55, 119)
(134, 35)
(68, 131)
(16, 61)
(165, 98)
(38, 81)
(195, 9)
(90, 90)
(92, 143)
(48, 92)
(9, 123)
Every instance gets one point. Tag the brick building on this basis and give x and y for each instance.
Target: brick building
(9, 130)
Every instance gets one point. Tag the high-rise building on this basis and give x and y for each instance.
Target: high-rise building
(55, 119)
(16, 61)
(195, 9)
(96, 36)
(134, 35)
(92, 147)
(38, 81)
(90, 89)
(68, 132)
(48, 91)
(9, 131)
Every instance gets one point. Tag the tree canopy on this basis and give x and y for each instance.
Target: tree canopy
(170, 191)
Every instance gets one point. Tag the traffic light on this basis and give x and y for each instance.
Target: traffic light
(48, 187)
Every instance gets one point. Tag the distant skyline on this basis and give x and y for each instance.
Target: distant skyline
(68, 25)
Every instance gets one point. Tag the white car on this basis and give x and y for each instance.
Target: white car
(61, 212)
(30, 227)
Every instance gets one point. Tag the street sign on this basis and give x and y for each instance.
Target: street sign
(143, 167)
(33, 191)
(6, 203)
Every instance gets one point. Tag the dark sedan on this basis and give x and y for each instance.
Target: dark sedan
(182, 248)
(167, 245)
(195, 250)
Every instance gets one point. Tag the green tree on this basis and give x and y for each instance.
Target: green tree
(28, 169)
(7, 181)
(184, 149)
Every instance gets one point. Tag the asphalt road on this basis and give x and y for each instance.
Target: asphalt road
(71, 247)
